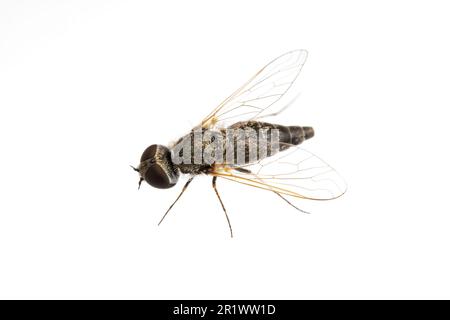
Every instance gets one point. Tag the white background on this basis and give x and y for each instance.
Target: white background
(86, 86)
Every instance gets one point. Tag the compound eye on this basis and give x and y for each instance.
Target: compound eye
(157, 177)
(149, 152)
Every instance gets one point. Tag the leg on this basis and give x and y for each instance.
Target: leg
(182, 191)
(223, 207)
(290, 203)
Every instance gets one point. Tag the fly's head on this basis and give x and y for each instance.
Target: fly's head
(156, 167)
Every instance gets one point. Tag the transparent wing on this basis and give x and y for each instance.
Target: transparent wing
(257, 97)
(294, 172)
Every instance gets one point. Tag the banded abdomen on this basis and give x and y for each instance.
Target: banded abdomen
(242, 143)
(285, 136)
(290, 135)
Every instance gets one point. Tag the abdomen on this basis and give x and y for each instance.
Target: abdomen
(287, 137)
(242, 143)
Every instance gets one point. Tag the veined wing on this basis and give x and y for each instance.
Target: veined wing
(294, 172)
(257, 97)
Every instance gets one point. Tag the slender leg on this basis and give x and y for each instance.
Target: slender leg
(290, 203)
(182, 191)
(223, 207)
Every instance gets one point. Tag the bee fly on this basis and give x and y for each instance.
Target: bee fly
(234, 144)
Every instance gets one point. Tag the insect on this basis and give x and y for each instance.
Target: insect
(233, 142)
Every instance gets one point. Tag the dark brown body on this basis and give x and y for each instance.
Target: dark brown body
(288, 136)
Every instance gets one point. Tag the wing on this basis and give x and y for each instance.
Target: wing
(294, 172)
(257, 97)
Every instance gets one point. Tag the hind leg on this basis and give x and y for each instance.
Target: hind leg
(223, 207)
